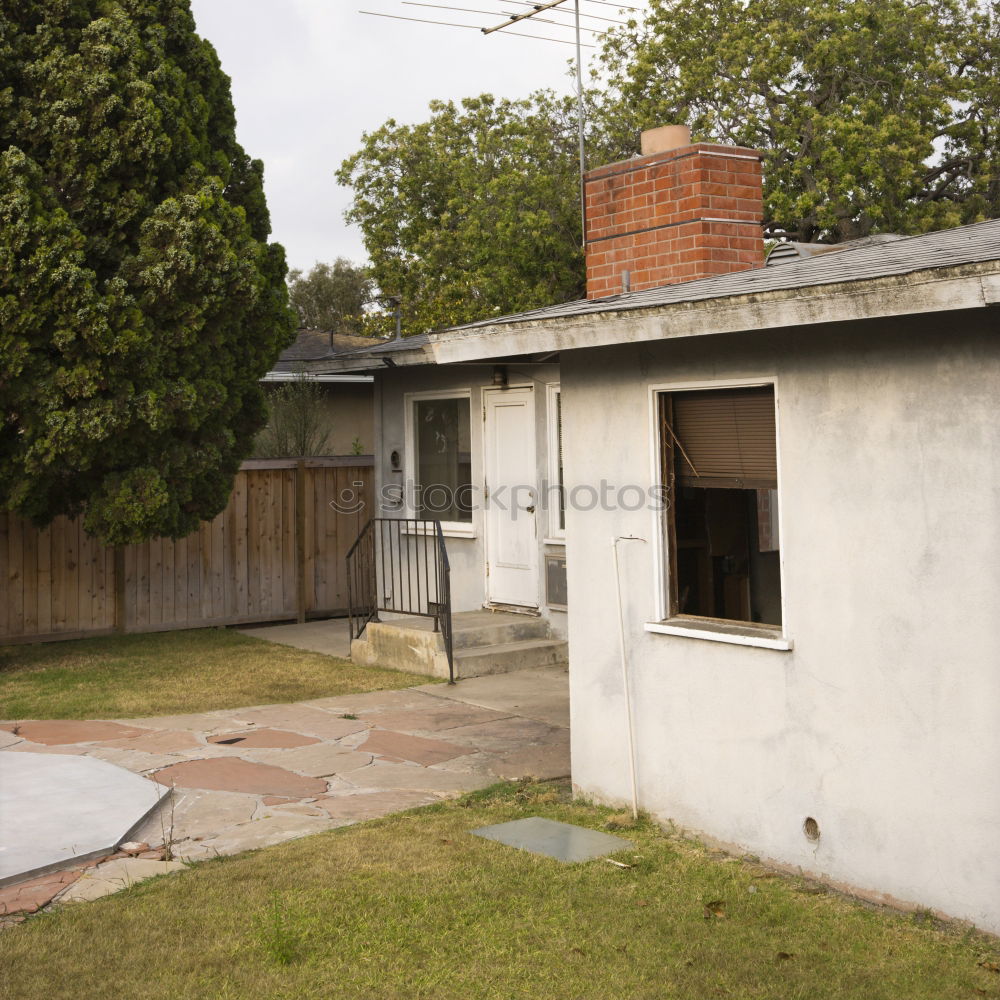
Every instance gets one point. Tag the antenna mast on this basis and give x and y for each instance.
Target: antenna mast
(538, 9)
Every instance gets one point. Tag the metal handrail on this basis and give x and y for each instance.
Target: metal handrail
(401, 565)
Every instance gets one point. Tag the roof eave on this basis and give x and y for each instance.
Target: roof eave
(379, 362)
(968, 286)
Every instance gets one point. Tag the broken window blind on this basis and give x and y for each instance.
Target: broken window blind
(728, 436)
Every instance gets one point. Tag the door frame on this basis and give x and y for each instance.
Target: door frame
(489, 393)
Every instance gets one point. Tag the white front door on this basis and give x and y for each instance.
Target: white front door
(511, 497)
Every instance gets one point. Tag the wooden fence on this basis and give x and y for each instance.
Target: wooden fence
(277, 552)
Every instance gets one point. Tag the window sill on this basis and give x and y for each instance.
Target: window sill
(718, 631)
(561, 542)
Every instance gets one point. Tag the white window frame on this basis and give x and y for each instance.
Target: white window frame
(453, 529)
(556, 534)
(699, 628)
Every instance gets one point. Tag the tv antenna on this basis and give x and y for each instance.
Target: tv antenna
(513, 20)
(540, 8)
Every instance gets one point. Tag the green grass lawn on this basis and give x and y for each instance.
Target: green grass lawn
(412, 906)
(167, 673)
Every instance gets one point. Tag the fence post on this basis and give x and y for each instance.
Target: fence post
(300, 537)
(120, 609)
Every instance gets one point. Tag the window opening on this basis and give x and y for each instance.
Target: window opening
(719, 460)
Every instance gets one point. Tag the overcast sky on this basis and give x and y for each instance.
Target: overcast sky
(309, 76)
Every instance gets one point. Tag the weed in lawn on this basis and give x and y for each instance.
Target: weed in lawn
(167, 824)
(621, 821)
(349, 715)
(276, 933)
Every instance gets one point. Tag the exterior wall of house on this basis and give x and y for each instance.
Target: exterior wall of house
(351, 413)
(466, 548)
(348, 413)
(882, 722)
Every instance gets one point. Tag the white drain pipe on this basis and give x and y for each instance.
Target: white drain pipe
(624, 657)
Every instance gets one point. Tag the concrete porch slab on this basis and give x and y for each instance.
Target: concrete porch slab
(57, 809)
(331, 637)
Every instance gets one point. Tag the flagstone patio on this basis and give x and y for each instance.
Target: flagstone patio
(258, 776)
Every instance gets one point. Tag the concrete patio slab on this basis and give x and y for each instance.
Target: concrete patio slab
(31, 896)
(375, 703)
(113, 876)
(357, 807)
(133, 760)
(300, 719)
(319, 761)
(415, 748)
(56, 809)
(271, 739)
(60, 732)
(450, 715)
(413, 778)
(300, 768)
(8, 739)
(541, 763)
(331, 637)
(166, 742)
(273, 829)
(73, 750)
(504, 734)
(197, 814)
(541, 694)
(204, 722)
(236, 775)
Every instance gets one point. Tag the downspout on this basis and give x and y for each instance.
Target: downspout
(629, 723)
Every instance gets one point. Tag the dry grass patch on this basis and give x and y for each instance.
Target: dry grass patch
(169, 673)
(412, 906)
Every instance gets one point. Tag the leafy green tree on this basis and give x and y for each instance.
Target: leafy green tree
(332, 296)
(872, 116)
(472, 213)
(140, 300)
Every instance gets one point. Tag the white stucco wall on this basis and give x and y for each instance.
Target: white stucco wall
(883, 722)
(467, 556)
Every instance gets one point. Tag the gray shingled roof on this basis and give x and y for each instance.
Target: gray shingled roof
(311, 347)
(948, 248)
(882, 257)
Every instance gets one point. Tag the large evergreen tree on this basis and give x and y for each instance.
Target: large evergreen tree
(140, 300)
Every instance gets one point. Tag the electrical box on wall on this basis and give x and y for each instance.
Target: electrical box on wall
(555, 581)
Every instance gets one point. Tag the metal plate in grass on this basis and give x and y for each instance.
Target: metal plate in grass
(561, 841)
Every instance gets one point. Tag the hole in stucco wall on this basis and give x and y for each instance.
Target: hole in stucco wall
(810, 828)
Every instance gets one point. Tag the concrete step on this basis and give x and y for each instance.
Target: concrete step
(509, 628)
(484, 643)
(501, 658)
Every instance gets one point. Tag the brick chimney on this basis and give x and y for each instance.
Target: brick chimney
(678, 212)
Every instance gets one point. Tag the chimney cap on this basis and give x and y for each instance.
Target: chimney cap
(664, 139)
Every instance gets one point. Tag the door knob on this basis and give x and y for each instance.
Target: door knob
(531, 509)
